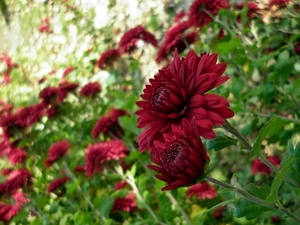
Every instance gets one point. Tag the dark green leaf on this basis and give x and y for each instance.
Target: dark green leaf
(220, 142)
(4, 11)
(246, 208)
(273, 126)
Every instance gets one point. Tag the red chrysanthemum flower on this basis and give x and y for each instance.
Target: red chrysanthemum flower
(297, 48)
(198, 16)
(7, 212)
(56, 151)
(218, 213)
(182, 159)
(16, 179)
(49, 95)
(258, 167)
(179, 17)
(176, 38)
(31, 114)
(202, 190)
(56, 184)
(252, 8)
(16, 155)
(67, 71)
(64, 88)
(120, 185)
(90, 89)
(108, 58)
(20, 198)
(109, 124)
(12, 126)
(177, 92)
(279, 3)
(98, 154)
(129, 39)
(127, 204)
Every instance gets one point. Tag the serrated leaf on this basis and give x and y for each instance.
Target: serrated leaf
(279, 178)
(294, 171)
(246, 208)
(273, 126)
(220, 142)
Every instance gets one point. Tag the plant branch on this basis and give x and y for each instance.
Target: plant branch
(253, 198)
(175, 202)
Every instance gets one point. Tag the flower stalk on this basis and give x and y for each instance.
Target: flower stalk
(253, 198)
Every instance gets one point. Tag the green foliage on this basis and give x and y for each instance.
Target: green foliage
(246, 208)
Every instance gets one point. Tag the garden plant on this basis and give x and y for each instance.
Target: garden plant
(150, 112)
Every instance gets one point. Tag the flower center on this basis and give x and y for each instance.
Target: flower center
(171, 153)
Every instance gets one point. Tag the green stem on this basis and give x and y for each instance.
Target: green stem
(262, 158)
(175, 202)
(253, 198)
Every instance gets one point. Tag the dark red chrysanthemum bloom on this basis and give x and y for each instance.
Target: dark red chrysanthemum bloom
(177, 92)
(31, 114)
(127, 204)
(12, 125)
(179, 17)
(218, 213)
(16, 155)
(297, 48)
(176, 38)
(197, 11)
(108, 58)
(182, 159)
(120, 185)
(15, 180)
(7, 212)
(202, 190)
(64, 88)
(56, 151)
(98, 154)
(258, 167)
(251, 6)
(49, 95)
(279, 3)
(57, 183)
(90, 89)
(67, 71)
(109, 124)
(129, 39)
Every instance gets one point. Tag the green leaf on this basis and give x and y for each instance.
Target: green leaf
(220, 142)
(294, 170)
(279, 178)
(272, 127)
(4, 11)
(246, 208)
(106, 205)
(232, 44)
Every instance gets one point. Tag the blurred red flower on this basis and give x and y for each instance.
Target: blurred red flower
(90, 89)
(202, 190)
(67, 71)
(182, 159)
(15, 180)
(279, 3)
(177, 92)
(97, 154)
(176, 38)
(127, 204)
(16, 155)
(109, 124)
(252, 8)
(120, 185)
(49, 95)
(57, 183)
(56, 151)
(45, 26)
(108, 58)
(218, 213)
(200, 9)
(129, 39)
(297, 48)
(64, 88)
(258, 167)
(7, 212)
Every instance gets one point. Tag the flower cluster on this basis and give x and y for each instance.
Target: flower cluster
(176, 110)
